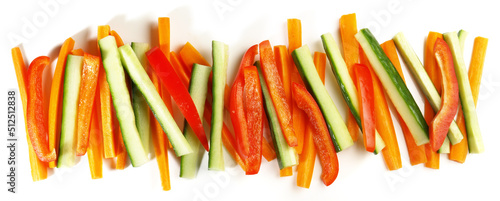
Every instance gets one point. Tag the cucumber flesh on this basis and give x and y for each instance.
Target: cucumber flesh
(462, 34)
(190, 163)
(287, 156)
(417, 69)
(121, 101)
(219, 57)
(71, 91)
(346, 84)
(338, 130)
(139, 104)
(394, 86)
(474, 137)
(141, 79)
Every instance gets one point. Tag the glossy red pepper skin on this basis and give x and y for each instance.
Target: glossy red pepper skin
(236, 104)
(254, 111)
(321, 137)
(364, 83)
(36, 119)
(164, 70)
(449, 98)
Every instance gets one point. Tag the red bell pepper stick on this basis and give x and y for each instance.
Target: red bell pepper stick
(365, 91)
(254, 112)
(173, 83)
(88, 88)
(449, 102)
(37, 123)
(277, 92)
(236, 106)
(321, 136)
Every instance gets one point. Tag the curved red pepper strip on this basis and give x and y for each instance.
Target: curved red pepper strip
(367, 105)
(254, 111)
(236, 105)
(37, 123)
(273, 81)
(321, 136)
(449, 98)
(173, 83)
(88, 88)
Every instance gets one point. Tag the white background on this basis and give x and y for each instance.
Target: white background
(244, 23)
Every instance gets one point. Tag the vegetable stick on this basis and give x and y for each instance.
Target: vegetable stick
(416, 153)
(459, 151)
(94, 150)
(179, 67)
(308, 157)
(432, 69)
(119, 41)
(55, 105)
(285, 172)
(383, 121)
(107, 108)
(164, 34)
(77, 52)
(268, 150)
(38, 168)
(298, 116)
(350, 46)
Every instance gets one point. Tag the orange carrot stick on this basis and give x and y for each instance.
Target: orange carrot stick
(178, 65)
(348, 28)
(286, 172)
(107, 125)
(77, 52)
(432, 69)
(119, 41)
(55, 105)
(308, 156)
(458, 152)
(267, 150)
(383, 120)
(416, 153)
(94, 151)
(38, 168)
(298, 116)
(164, 34)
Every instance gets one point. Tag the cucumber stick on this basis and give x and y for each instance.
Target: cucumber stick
(346, 84)
(471, 121)
(394, 86)
(141, 79)
(121, 101)
(287, 156)
(190, 163)
(417, 69)
(338, 130)
(462, 34)
(219, 58)
(139, 104)
(71, 91)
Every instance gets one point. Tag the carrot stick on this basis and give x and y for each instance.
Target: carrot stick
(77, 52)
(285, 172)
(348, 28)
(119, 41)
(458, 152)
(383, 119)
(164, 34)
(55, 105)
(308, 156)
(179, 67)
(94, 150)
(416, 153)
(107, 127)
(298, 116)
(267, 150)
(432, 69)
(38, 168)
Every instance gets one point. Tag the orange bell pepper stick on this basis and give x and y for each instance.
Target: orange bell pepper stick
(94, 151)
(298, 116)
(432, 69)
(416, 153)
(383, 119)
(277, 92)
(321, 137)
(458, 152)
(55, 104)
(348, 28)
(37, 123)
(107, 124)
(88, 87)
(38, 168)
(308, 157)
